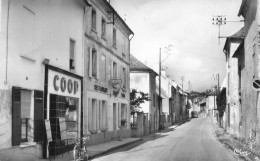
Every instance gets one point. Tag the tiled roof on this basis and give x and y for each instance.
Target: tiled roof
(239, 34)
(236, 37)
(136, 65)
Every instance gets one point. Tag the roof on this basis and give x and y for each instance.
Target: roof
(242, 8)
(238, 51)
(236, 37)
(136, 65)
(118, 16)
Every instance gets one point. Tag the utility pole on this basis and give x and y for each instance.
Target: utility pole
(221, 20)
(182, 79)
(159, 99)
(167, 50)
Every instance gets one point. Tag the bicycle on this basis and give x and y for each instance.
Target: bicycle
(80, 151)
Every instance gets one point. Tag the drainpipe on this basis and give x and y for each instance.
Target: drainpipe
(7, 44)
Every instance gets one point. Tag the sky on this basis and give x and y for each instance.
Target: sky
(186, 25)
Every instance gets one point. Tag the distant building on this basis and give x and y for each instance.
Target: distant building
(143, 78)
(233, 107)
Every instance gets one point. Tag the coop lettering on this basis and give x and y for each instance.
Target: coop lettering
(63, 84)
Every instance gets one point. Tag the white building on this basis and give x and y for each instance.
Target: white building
(41, 68)
(107, 54)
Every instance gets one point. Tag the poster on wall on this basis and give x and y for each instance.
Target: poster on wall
(48, 130)
(63, 129)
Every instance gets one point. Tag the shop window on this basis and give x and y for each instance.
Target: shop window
(114, 37)
(103, 33)
(72, 54)
(93, 19)
(25, 127)
(122, 115)
(63, 108)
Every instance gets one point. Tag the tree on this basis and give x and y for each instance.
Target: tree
(137, 98)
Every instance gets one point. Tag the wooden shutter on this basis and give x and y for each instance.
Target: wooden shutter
(38, 116)
(16, 116)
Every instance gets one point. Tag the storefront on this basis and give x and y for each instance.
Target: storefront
(62, 108)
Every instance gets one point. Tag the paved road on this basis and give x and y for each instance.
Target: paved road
(193, 141)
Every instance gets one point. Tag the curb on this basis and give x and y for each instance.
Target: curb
(229, 145)
(91, 156)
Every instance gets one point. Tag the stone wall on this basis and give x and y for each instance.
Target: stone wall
(5, 119)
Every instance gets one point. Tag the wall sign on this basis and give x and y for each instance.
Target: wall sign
(63, 84)
(99, 88)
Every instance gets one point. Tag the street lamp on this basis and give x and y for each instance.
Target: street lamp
(166, 50)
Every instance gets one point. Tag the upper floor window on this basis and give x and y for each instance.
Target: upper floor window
(94, 63)
(103, 32)
(124, 78)
(114, 70)
(72, 54)
(114, 37)
(93, 19)
(102, 68)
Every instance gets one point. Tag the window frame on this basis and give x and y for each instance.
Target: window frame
(114, 37)
(93, 19)
(103, 28)
(94, 63)
(72, 54)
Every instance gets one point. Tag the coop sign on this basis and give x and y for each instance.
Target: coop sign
(63, 84)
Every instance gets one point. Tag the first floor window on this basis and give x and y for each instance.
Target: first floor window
(123, 115)
(97, 114)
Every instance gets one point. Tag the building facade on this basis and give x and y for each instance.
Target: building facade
(248, 70)
(106, 70)
(233, 108)
(41, 72)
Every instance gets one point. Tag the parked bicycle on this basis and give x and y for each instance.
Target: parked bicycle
(80, 149)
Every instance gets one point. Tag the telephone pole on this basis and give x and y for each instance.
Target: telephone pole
(182, 79)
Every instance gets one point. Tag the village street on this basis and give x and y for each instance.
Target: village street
(192, 141)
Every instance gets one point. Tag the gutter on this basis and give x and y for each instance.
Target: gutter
(7, 39)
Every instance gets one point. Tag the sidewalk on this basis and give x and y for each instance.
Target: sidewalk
(232, 143)
(93, 151)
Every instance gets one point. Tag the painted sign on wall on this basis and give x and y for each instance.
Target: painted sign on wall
(62, 84)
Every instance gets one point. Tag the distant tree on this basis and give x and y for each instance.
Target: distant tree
(136, 99)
